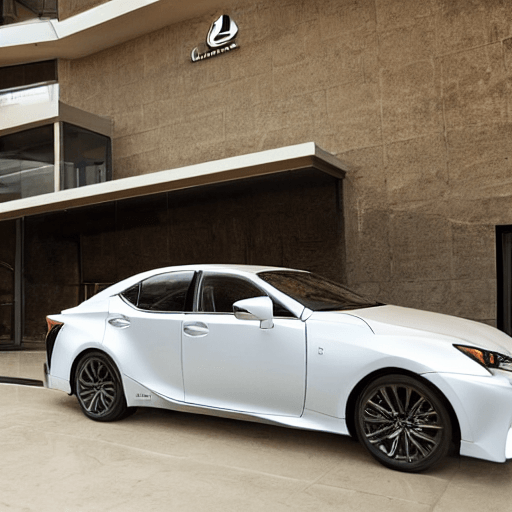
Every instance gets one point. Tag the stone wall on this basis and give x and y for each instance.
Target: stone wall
(414, 95)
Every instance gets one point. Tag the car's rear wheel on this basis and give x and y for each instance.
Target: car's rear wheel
(99, 388)
(403, 423)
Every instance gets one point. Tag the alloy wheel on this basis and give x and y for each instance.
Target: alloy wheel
(97, 386)
(403, 424)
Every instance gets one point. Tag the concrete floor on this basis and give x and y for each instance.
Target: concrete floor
(53, 458)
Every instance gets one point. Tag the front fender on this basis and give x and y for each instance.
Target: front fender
(341, 354)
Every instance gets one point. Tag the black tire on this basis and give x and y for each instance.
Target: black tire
(403, 423)
(99, 389)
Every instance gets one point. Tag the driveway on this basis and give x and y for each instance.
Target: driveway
(54, 459)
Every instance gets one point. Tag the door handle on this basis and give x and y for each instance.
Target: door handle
(195, 329)
(119, 321)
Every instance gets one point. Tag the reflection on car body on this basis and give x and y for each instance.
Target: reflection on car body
(290, 348)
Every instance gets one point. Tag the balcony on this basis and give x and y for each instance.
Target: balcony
(47, 146)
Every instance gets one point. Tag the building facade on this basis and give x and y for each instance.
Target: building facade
(412, 99)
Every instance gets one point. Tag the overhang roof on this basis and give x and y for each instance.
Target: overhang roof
(289, 158)
(101, 27)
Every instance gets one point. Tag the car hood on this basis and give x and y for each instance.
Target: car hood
(399, 321)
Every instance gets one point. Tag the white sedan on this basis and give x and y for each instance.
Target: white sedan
(290, 348)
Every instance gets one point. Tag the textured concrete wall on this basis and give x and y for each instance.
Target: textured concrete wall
(414, 95)
(68, 8)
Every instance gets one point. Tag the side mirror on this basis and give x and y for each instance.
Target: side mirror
(257, 308)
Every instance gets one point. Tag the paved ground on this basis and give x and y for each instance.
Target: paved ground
(54, 459)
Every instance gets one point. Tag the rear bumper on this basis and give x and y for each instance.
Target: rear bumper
(46, 376)
(52, 382)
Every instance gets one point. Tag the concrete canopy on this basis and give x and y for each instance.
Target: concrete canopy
(290, 158)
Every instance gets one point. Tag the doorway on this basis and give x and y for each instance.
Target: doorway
(504, 271)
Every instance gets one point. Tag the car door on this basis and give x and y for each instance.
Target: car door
(144, 331)
(234, 364)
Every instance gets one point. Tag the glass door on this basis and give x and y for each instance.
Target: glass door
(7, 282)
(6, 304)
(504, 268)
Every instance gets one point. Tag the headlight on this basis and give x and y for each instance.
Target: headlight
(487, 358)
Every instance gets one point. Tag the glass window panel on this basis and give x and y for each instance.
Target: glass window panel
(219, 293)
(132, 294)
(26, 163)
(165, 292)
(27, 74)
(87, 158)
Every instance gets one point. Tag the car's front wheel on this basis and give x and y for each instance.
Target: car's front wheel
(403, 423)
(99, 389)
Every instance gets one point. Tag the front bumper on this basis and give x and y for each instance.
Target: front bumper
(483, 406)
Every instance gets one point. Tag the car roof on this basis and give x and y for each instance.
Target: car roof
(130, 281)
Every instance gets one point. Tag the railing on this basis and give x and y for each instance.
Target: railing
(28, 104)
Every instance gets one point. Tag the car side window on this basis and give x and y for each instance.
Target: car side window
(219, 293)
(163, 292)
(132, 294)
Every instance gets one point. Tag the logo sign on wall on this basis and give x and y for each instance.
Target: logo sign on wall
(220, 39)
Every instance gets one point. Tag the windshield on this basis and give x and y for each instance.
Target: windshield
(315, 292)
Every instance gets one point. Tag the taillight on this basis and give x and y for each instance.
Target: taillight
(51, 324)
(51, 336)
